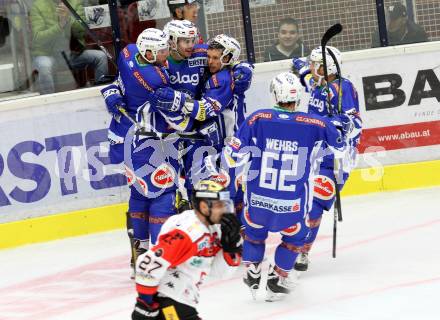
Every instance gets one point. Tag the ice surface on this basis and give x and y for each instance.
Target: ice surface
(387, 267)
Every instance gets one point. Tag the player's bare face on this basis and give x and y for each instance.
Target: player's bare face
(214, 60)
(288, 35)
(317, 70)
(191, 12)
(218, 208)
(161, 56)
(185, 46)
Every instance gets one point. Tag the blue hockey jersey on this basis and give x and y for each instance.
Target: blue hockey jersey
(349, 104)
(278, 152)
(188, 75)
(134, 86)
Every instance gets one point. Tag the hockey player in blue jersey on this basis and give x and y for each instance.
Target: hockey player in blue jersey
(214, 106)
(344, 100)
(151, 165)
(279, 150)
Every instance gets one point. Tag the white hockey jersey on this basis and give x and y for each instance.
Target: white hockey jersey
(186, 252)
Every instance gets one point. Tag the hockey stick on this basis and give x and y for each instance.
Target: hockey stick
(194, 136)
(89, 31)
(338, 68)
(329, 34)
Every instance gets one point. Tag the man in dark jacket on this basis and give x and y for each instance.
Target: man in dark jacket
(401, 30)
(289, 43)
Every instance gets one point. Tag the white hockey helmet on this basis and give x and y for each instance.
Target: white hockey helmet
(180, 29)
(316, 57)
(152, 39)
(229, 45)
(286, 87)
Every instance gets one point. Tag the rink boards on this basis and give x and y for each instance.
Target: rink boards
(53, 154)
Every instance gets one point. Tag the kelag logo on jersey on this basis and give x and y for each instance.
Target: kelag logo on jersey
(186, 78)
(275, 205)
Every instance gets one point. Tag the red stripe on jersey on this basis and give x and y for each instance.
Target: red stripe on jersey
(162, 76)
(126, 53)
(142, 81)
(146, 290)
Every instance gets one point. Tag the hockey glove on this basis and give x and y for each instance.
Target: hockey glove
(113, 100)
(167, 99)
(181, 203)
(243, 73)
(230, 226)
(211, 133)
(145, 311)
(344, 123)
(301, 65)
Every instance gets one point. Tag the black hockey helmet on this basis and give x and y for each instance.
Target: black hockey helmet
(211, 191)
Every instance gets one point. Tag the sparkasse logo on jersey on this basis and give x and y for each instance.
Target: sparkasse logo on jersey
(186, 78)
(275, 205)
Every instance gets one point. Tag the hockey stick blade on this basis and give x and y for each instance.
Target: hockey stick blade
(330, 33)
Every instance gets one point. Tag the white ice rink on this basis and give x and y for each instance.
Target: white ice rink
(387, 267)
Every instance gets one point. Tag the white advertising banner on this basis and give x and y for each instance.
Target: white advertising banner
(41, 141)
(399, 97)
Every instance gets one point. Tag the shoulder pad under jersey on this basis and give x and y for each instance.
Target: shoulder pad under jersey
(188, 222)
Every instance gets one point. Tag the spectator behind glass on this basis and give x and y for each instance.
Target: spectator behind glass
(401, 30)
(289, 43)
(58, 41)
(185, 10)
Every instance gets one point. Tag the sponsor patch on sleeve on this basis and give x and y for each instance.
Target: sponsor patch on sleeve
(142, 81)
(126, 53)
(310, 121)
(259, 115)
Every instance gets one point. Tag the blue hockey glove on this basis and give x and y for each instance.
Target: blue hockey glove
(145, 311)
(344, 123)
(113, 99)
(211, 133)
(243, 73)
(167, 99)
(301, 65)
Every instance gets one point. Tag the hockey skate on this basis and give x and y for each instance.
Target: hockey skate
(302, 262)
(252, 278)
(279, 284)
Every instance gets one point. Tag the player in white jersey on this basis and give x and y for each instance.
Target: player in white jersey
(191, 245)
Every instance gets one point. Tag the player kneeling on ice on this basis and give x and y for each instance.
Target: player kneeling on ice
(191, 245)
(278, 150)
